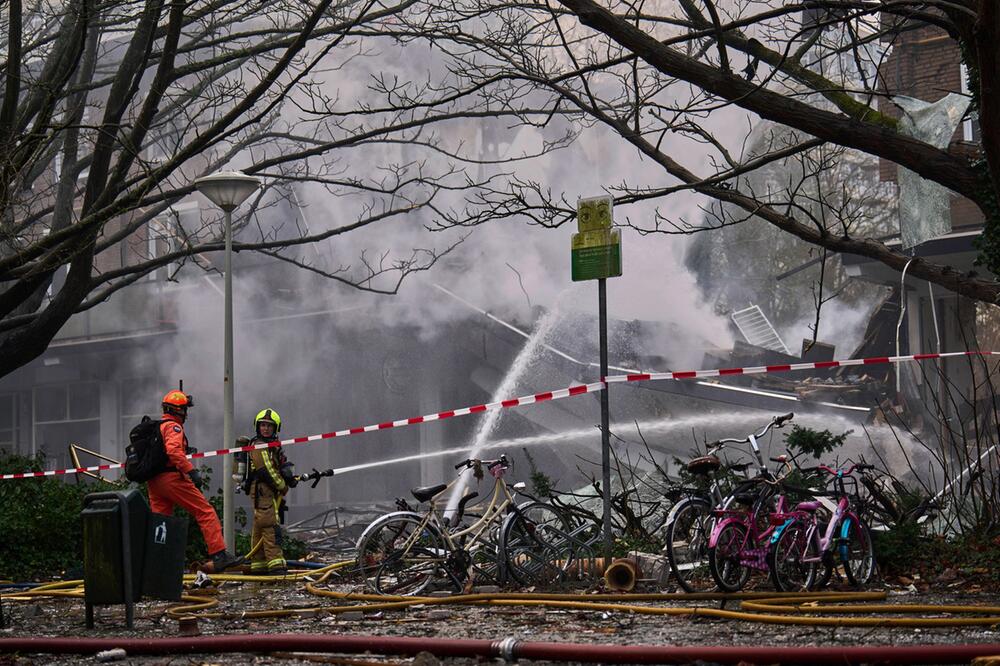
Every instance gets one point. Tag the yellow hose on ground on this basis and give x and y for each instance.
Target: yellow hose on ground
(790, 608)
(194, 604)
(772, 608)
(291, 575)
(74, 588)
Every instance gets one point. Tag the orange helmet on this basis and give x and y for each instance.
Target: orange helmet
(177, 399)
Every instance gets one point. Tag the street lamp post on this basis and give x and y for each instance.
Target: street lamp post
(227, 190)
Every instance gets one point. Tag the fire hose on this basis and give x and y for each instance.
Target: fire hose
(509, 649)
(762, 607)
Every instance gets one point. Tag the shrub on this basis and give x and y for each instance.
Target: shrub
(40, 521)
(816, 443)
(41, 527)
(904, 550)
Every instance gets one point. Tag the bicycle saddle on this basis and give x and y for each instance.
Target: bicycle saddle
(807, 506)
(704, 464)
(424, 493)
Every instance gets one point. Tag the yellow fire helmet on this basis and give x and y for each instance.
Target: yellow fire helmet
(268, 415)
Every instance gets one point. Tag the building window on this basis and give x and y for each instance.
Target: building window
(158, 242)
(165, 231)
(8, 422)
(63, 415)
(970, 126)
(137, 398)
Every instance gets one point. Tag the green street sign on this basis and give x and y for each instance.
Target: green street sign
(596, 254)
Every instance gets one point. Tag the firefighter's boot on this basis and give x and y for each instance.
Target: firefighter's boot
(224, 560)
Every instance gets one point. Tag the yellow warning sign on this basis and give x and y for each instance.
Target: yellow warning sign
(594, 213)
(595, 238)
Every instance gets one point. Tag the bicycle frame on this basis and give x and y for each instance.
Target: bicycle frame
(754, 545)
(500, 500)
(842, 515)
(750, 556)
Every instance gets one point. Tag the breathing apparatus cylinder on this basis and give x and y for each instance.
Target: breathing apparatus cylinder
(241, 468)
(241, 458)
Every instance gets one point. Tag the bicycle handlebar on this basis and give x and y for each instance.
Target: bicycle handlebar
(776, 422)
(860, 467)
(490, 464)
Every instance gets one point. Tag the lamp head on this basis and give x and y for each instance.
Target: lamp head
(227, 189)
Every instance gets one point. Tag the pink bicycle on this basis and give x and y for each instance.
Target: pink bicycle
(803, 553)
(737, 544)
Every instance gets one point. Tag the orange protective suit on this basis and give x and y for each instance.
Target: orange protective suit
(173, 487)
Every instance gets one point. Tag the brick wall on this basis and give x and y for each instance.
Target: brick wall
(925, 63)
(133, 250)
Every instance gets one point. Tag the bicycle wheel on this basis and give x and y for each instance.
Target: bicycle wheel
(410, 555)
(535, 545)
(375, 540)
(725, 558)
(686, 545)
(856, 551)
(793, 558)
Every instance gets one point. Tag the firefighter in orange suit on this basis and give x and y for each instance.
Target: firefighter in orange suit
(269, 477)
(179, 484)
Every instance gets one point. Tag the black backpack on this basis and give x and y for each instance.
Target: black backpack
(145, 456)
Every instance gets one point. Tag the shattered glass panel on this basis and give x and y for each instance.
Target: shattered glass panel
(924, 206)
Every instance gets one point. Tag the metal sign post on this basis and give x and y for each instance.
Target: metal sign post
(602, 306)
(596, 255)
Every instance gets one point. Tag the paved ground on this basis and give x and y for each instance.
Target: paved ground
(64, 617)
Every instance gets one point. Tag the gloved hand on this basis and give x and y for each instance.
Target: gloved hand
(195, 477)
(242, 441)
(287, 472)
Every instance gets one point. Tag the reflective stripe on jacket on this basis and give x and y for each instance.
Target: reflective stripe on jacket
(265, 463)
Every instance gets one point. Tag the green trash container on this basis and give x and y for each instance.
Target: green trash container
(129, 552)
(114, 529)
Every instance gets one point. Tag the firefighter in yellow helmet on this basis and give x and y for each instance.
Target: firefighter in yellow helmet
(268, 478)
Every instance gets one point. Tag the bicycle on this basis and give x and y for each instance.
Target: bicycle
(688, 525)
(738, 538)
(404, 551)
(797, 550)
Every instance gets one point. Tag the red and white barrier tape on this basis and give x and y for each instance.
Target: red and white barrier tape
(537, 397)
(790, 367)
(440, 416)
